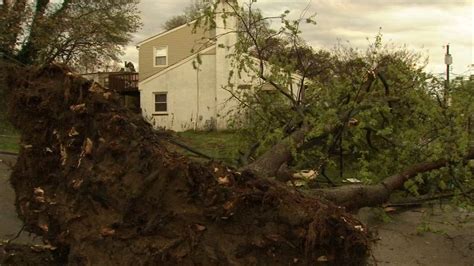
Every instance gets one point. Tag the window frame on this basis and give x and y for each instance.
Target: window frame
(155, 102)
(155, 50)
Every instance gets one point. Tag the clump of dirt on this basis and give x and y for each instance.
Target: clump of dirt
(14, 254)
(96, 182)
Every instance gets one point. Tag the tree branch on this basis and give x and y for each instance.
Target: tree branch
(356, 196)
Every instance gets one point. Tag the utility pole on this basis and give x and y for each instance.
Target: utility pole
(448, 60)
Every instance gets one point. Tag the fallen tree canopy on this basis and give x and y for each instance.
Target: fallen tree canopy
(97, 183)
(351, 197)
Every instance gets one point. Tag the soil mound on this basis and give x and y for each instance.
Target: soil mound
(97, 183)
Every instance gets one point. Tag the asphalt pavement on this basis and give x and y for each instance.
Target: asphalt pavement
(10, 224)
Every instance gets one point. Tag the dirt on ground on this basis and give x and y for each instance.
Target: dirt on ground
(97, 184)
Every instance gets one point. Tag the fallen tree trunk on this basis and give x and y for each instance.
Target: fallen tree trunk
(357, 196)
(268, 164)
(95, 181)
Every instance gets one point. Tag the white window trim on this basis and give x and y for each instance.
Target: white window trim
(154, 103)
(154, 55)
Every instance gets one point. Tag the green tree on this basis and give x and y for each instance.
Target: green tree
(190, 13)
(68, 31)
(79, 33)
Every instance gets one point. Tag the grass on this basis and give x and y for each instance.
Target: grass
(9, 143)
(220, 145)
(9, 138)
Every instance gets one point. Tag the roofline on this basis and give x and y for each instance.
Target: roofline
(185, 60)
(163, 33)
(108, 72)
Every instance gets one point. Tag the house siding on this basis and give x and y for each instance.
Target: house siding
(180, 44)
(191, 97)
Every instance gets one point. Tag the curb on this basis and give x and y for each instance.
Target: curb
(8, 153)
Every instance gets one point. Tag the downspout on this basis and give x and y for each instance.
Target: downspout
(197, 98)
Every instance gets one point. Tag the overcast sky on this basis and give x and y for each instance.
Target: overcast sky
(423, 25)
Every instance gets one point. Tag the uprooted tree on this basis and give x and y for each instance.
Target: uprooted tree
(98, 184)
(348, 113)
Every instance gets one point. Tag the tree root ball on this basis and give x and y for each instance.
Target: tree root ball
(97, 183)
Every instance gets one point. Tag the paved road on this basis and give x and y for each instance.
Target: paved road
(9, 222)
(432, 236)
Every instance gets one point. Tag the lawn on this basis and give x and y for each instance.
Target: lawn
(9, 138)
(9, 143)
(220, 145)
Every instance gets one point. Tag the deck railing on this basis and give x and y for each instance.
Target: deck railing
(124, 82)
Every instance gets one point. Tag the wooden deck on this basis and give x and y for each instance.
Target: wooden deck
(124, 82)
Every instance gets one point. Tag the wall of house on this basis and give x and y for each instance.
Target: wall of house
(191, 96)
(180, 42)
(197, 99)
(226, 38)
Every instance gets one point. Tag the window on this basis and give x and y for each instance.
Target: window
(161, 56)
(161, 102)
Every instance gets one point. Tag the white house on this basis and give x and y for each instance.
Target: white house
(180, 94)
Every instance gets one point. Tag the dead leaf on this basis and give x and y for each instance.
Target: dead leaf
(199, 227)
(49, 247)
(274, 237)
(63, 153)
(352, 180)
(228, 205)
(223, 180)
(41, 248)
(353, 122)
(76, 184)
(73, 132)
(96, 88)
(359, 227)
(78, 108)
(38, 191)
(323, 258)
(107, 231)
(390, 209)
(44, 227)
(107, 95)
(306, 174)
(296, 183)
(88, 146)
(40, 199)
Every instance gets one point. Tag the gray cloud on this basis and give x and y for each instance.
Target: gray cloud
(423, 25)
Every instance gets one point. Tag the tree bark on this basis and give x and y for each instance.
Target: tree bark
(29, 52)
(267, 165)
(12, 19)
(356, 196)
